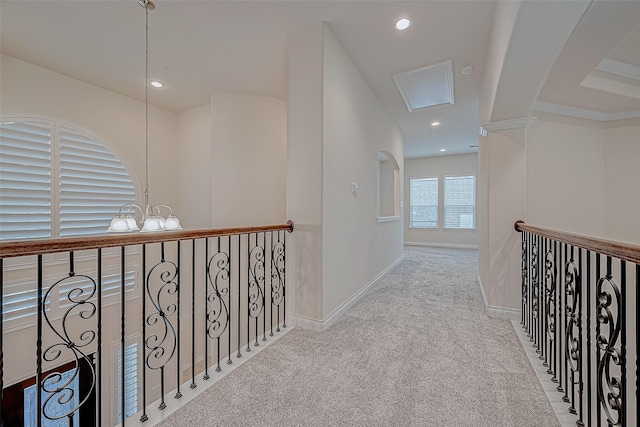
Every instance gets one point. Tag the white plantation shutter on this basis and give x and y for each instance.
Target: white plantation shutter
(131, 381)
(25, 183)
(460, 201)
(93, 185)
(57, 181)
(423, 198)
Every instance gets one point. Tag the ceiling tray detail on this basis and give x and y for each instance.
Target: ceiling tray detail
(426, 86)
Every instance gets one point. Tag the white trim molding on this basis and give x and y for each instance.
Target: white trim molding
(517, 123)
(583, 113)
(498, 312)
(323, 325)
(619, 68)
(441, 245)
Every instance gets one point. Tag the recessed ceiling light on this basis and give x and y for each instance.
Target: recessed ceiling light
(435, 123)
(156, 83)
(442, 149)
(403, 24)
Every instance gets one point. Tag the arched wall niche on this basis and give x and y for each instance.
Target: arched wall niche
(388, 200)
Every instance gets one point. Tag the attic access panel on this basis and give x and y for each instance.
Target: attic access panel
(426, 86)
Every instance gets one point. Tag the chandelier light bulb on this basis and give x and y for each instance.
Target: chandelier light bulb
(403, 24)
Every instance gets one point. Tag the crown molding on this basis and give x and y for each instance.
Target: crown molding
(583, 113)
(624, 115)
(517, 123)
(619, 68)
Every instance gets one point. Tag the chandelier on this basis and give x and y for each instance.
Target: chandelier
(151, 215)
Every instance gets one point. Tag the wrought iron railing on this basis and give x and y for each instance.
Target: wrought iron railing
(580, 297)
(191, 301)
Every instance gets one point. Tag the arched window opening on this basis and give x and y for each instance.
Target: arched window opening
(57, 181)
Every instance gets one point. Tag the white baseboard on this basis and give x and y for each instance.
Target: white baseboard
(498, 312)
(323, 325)
(441, 245)
(305, 322)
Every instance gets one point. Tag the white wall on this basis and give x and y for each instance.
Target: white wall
(621, 184)
(249, 160)
(195, 128)
(304, 172)
(115, 120)
(566, 176)
(339, 246)
(438, 166)
(355, 127)
(502, 177)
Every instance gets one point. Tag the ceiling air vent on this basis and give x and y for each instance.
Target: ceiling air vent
(426, 86)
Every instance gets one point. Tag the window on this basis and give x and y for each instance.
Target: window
(57, 181)
(56, 408)
(131, 381)
(460, 202)
(423, 196)
(19, 401)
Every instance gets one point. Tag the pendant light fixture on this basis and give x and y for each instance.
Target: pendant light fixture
(151, 215)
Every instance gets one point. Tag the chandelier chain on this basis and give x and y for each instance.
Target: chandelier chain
(146, 105)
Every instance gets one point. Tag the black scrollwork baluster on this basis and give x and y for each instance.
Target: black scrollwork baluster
(239, 355)
(123, 370)
(550, 300)
(637, 342)
(1, 336)
(561, 343)
(229, 361)
(573, 338)
(255, 288)
(544, 324)
(99, 350)
(161, 340)
(178, 394)
(217, 314)
(206, 376)
(523, 268)
(588, 335)
(608, 323)
(284, 282)
(72, 345)
(193, 315)
(277, 278)
(264, 293)
(534, 281)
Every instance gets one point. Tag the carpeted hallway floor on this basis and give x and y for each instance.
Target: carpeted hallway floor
(417, 350)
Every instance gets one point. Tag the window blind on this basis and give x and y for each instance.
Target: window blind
(25, 182)
(21, 297)
(93, 185)
(57, 181)
(423, 197)
(460, 201)
(131, 381)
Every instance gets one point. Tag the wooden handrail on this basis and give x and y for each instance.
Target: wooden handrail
(67, 244)
(623, 251)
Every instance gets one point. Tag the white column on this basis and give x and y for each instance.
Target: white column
(502, 184)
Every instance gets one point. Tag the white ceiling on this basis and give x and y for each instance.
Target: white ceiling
(608, 30)
(198, 47)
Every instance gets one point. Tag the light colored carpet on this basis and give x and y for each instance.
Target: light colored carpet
(417, 350)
